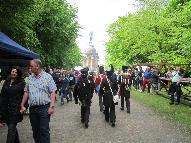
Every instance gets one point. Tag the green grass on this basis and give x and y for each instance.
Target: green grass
(180, 114)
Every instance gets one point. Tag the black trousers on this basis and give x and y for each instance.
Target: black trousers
(175, 88)
(100, 101)
(127, 102)
(85, 113)
(110, 113)
(12, 136)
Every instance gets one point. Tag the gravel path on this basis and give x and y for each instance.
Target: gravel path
(141, 126)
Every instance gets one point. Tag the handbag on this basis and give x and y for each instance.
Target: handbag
(115, 97)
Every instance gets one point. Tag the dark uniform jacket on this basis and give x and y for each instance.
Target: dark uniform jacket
(92, 84)
(82, 91)
(124, 90)
(11, 95)
(105, 91)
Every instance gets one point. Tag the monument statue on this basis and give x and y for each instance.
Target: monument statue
(91, 38)
(90, 58)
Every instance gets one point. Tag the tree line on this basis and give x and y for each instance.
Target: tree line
(47, 27)
(158, 32)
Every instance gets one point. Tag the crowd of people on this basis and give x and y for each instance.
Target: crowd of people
(35, 93)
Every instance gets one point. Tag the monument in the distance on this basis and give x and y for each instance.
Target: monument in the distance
(90, 57)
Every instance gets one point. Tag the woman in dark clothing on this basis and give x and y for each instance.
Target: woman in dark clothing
(12, 92)
(108, 89)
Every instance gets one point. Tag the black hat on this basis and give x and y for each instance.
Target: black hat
(124, 68)
(84, 71)
(101, 69)
(108, 73)
(112, 68)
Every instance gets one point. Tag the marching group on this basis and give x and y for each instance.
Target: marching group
(38, 90)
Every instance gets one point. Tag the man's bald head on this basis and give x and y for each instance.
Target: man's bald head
(36, 66)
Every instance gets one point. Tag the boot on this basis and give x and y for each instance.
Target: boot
(86, 125)
(82, 121)
(122, 108)
(113, 124)
(171, 103)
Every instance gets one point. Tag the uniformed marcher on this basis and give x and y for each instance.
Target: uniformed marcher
(92, 83)
(108, 89)
(124, 90)
(98, 80)
(82, 91)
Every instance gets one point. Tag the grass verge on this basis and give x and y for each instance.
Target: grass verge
(180, 114)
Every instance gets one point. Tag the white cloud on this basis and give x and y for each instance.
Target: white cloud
(96, 16)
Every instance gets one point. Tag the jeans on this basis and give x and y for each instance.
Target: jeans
(64, 95)
(39, 119)
(12, 136)
(137, 84)
(71, 89)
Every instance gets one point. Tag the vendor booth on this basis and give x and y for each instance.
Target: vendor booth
(13, 53)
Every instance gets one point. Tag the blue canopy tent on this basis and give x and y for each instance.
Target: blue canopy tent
(11, 53)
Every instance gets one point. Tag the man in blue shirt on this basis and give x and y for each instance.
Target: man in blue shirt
(146, 79)
(40, 91)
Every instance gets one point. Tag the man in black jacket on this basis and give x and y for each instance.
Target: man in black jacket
(124, 90)
(82, 91)
(108, 89)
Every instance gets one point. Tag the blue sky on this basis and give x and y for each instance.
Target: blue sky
(95, 16)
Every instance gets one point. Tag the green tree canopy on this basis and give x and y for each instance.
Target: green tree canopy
(48, 27)
(156, 33)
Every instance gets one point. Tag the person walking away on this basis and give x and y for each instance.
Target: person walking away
(124, 90)
(98, 81)
(108, 89)
(40, 93)
(12, 93)
(83, 93)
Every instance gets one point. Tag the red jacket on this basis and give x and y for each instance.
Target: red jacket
(99, 79)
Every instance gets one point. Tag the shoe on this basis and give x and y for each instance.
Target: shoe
(107, 120)
(128, 111)
(122, 108)
(86, 125)
(171, 103)
(113, 124)
(82, 121)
